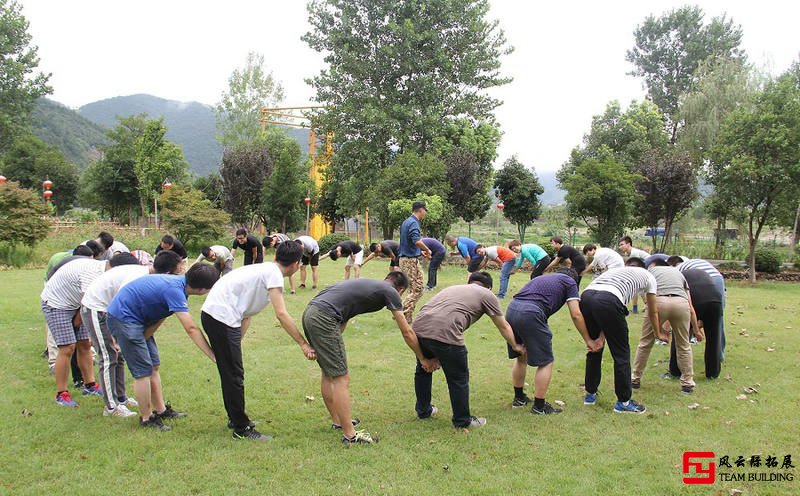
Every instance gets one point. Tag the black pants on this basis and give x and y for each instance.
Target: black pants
(433, 268)
(227, 345)
(542, 264)
(603, 311)
(456, 370)
(711, 314)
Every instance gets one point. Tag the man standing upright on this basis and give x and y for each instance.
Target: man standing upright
(411, 247)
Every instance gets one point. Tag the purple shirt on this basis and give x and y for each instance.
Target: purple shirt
(434, 246)
(549, 291)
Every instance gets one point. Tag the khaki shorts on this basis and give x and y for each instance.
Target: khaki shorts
(324, 334)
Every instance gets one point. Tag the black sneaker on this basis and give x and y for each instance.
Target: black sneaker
(78, 384)
(361, 437)
(687, 389)
(154, 422)
(339, 427)
(169, 413)
(547, 409)
(636, 384)
(250, 433)
(252, 423)
(520, 402)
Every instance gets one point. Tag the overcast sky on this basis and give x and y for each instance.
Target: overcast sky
(568, 63)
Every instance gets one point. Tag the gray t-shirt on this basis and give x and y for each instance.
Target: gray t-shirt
(670, 281)
(352, 297)
(448, 314)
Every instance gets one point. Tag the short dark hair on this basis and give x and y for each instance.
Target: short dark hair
(398, 279)
(570, 272)
(635, 262)
(266, 241)
(201, 276)
(659, 262)
(557, 239)
(373, 247)
(84, 251)
(167, 239)
(205, 250)
(288, 253)
(674, 260)
(479, 246)
(418, 205)
(588, 247)
(95, 247)
(166, 262)
(123, 258)
(106, 239)
(333, 255)
(513, 243)
(626, 239)
(241, 232)
(481, 278)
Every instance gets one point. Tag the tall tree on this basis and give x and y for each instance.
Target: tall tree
(157, 161)
(239, 110)
(20, 86)
(668, 50)
(244, 168)
(211, 187)
(22, 216)
(756, 162)
(190, 216)
(398, 71)
(287, 185)
(519, 189)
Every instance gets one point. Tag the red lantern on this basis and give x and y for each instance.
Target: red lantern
(307, 200)
(47, 194)
(500, 206)
(167, 185)
(3, 179)
(47, 184)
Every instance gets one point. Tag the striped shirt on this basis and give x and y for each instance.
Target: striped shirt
(625, 283)
(699, 263)
(100, 293)
(65, 289)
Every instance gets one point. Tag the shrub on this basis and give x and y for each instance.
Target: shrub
(82, 215)
(192, 218)
(15, 255)
(329, 241)
(23, 218)
(768, 261)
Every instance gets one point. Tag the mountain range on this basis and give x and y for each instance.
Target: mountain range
(79, 133)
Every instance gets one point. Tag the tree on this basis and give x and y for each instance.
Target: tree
(519, 189)
(436, 222)
(192, 218)
(157, 160)
(756, 162)
(668, 50)
(19, 86)
(211, 187)
(239, 110)
(22, 216)
(287, 185)
(29, 161)
(244, 168)
(397, 72)
(667, 188)
(602, 193)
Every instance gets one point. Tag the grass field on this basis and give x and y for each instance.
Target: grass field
(586, 450)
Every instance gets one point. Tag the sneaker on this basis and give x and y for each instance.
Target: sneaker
(92, 390)
(667, 375)
(154, 422)
(361, 437)
(590, 399)
(250, 433)
(339, 427)
(427, 289)
(636, 383)
(129, 402)
(252, 423)
(661, 342)
(547, 409)
(77, 384)
(64, 399)
(120, 411)
(302, 286)
(169, 413)
(520, 402)
(629, 406)
(687, 389)
(434, 411)
(477, 422)
(692, 340)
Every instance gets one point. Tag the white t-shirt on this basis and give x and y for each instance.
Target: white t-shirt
(223, 254)
(636, 252)
(310, 245)
(606, 258)
(116, 247)
(100, 293)
(65, 289)
(242, 293)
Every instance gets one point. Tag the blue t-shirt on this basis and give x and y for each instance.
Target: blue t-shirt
(549, 291)
(149, 299)
(533, 253)
(410, 233)
(466, 247)
(434, 246)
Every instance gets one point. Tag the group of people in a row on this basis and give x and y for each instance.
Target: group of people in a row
(119, 304)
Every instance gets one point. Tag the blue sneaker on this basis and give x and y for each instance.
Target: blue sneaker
(64, 399)
(94, 389)
(629, 406)
(590, 399)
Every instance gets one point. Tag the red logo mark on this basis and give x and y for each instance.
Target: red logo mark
(701, 475)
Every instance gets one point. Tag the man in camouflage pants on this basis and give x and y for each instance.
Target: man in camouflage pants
(411, 248)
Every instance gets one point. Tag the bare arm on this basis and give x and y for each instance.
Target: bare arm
(508, 334)
(254, 251)
(652, 314)
(410, 338)
(194, 334)
(369, 257)
(276, 297)
(555, 262)
(425, 251)
(152, 328)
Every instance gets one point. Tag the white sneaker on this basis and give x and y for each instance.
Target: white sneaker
(477, 422)
(119, 411)
(131, 402)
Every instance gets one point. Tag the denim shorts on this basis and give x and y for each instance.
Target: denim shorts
(141, 354)
(529, 324)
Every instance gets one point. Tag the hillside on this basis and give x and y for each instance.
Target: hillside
(77, 137)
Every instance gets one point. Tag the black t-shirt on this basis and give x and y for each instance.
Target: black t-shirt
(352, 297)
(578, 260)
(177, 247)
(702, 287)
(390, 247)
(250, 243)
(349, 248)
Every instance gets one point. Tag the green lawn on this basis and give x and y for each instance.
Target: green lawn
(586, 450)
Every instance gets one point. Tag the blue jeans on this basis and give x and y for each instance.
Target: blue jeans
(505, 274)
(140, 353)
